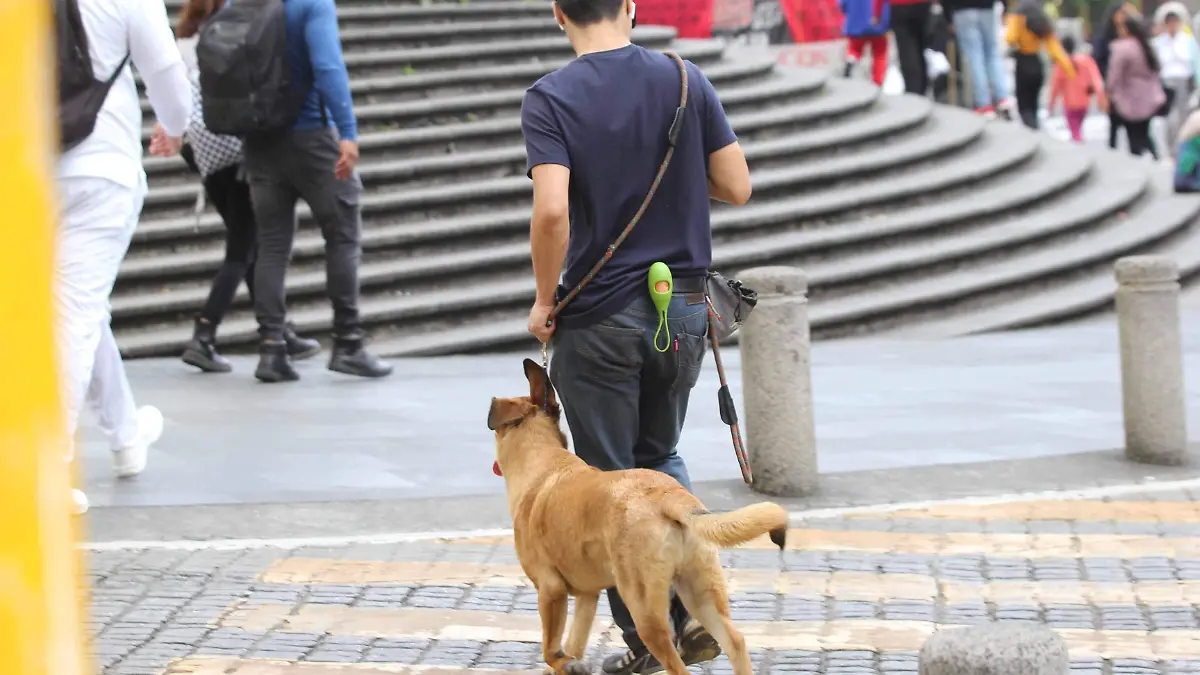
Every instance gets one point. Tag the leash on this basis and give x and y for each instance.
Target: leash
(725, 399)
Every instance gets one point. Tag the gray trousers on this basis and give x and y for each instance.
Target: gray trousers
(282, 168)
(625, 401)
(1183, 87)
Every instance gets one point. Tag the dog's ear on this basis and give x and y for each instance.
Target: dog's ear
(505, 411)
(540, 389)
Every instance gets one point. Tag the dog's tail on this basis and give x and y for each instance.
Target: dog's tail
(740, 526)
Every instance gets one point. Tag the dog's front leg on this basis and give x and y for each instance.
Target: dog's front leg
(581, 625)
(552, 607)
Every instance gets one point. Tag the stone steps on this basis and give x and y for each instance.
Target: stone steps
(904, 214)
(1090, 290)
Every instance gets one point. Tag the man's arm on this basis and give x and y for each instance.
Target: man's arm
(728, 174)
(549, 165)
(153, 50)
(549, 228)
(329, 69)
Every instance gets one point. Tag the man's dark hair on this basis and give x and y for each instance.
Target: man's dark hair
(1068, 44)
(587, 12)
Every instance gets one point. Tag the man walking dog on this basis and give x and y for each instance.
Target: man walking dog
(596, 134)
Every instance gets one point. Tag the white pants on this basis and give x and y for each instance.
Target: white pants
(95, 227)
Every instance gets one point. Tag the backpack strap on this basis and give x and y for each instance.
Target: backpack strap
(672, 139)
(117, 73)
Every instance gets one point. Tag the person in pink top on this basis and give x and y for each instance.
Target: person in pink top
(1134, 86)
(1076, 92)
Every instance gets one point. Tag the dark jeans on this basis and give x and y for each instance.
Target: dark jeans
(910, 25)
(283, 168)
(1030, 77)
(1139, 136)
(231, 197)
(1116, 122)
(626, 402)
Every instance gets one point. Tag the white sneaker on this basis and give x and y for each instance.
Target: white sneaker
(130, 460)
(81, 502)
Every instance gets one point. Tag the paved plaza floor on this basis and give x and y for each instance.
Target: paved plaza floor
(856, 593)
(303, 529)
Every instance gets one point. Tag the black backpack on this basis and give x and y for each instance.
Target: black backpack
(246, 82)
(80, 94)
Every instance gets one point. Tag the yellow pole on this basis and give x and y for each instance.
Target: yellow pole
(40, 630)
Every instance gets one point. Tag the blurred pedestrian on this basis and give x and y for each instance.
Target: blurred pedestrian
(1179, 56)
(1077, 92)
(1029, 30)
(866, 26)
(1134, 87)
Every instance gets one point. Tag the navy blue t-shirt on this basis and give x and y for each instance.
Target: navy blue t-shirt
(605, 116)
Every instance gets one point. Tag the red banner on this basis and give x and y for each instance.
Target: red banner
(813, 20)
(692, 18)
(772, 21)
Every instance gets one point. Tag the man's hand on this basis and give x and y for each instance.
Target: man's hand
(162, 145)
(537, 322)
(347, 161)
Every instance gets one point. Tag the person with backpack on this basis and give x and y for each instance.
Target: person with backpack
(866, 25)
(101, 186)
(597, 133)
(272, 73)
(1029, 29)
(218, 160)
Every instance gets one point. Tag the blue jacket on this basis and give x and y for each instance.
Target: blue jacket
(315, 50)
(865, 18)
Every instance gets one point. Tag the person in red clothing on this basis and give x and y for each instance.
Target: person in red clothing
(910, 25)
(867, 23)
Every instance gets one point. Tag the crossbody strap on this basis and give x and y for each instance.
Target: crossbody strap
(672, 139)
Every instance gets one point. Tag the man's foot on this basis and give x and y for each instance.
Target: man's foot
(201, 352)
(274, 365)
(695, 645)
(299, 348)
(987, 112)
(351, 358)
(130, 460)
(79, 501)
(848, 69)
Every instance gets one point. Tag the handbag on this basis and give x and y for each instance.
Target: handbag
(1168, 100)
(212, 152)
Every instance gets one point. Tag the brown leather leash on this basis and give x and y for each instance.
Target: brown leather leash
(728, 411)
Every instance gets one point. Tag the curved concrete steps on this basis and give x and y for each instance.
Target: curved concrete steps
(909, 218)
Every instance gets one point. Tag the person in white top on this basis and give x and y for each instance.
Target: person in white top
(101, 186)
(1180, 58)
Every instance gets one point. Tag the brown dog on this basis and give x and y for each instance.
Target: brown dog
(579, 530)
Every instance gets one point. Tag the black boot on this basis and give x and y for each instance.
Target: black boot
(299, 348)
(350, 357)
(848, 70)
(274, 364)
(202, 350)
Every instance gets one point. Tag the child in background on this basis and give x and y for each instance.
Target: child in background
(1076, 92)
(867, 24)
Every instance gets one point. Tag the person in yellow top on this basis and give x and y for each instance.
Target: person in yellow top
(1028, 30)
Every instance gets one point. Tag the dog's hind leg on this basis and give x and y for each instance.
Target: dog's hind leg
(552, 607)
(649, 604)
(702, 589)
(581, 625)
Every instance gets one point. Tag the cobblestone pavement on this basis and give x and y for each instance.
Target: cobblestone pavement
(855, 594)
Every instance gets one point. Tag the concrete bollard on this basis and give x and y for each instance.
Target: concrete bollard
(995, 649)
(1151, 360)
(781, 442)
